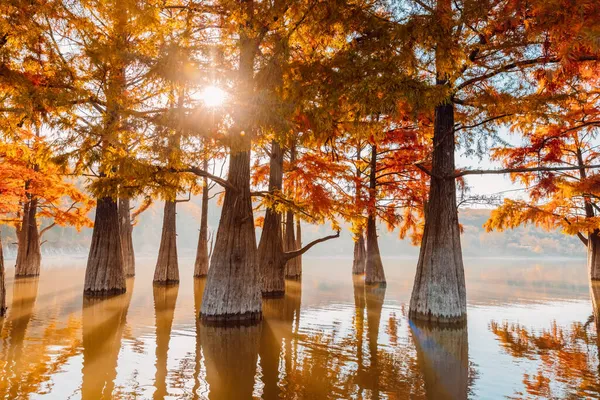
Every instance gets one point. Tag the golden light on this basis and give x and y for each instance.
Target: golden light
(213, 96)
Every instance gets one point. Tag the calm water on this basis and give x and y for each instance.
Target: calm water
(530, 334)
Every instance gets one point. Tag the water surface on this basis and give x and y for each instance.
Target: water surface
(530, 334)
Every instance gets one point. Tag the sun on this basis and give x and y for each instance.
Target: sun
(213, 96)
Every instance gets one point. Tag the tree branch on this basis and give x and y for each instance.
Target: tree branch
(202, 173)
(288, 255)
(517, 170)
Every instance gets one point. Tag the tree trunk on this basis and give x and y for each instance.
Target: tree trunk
(167, 267)
(29, 254)
(2, 282)
(439, 293)
(165, 298)
(233, 293)
(201, 264)
(593, 255)
(360, 255)
(299, 242)
(230, 355)
(443, 358)
(374, 274)
(292, 267)
(104, 274)
(126, 232)
(103, 323)
(270, 248)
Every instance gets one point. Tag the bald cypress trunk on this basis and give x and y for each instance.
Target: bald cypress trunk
(126, 232)
(374, 274)
(299, 242)
(167, 266)
(443, 358)
(201, 264)
(233, 292)
(271, 260)
(165, 298)
(593, 254)
(293, 268)
(29, 254)
(439, 293)
(360, 255)
(2, 282)
(104, 274)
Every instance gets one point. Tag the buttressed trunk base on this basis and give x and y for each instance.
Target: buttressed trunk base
(360, 256)
(29, 254)
(232, 294)
(593, 255)
(439, 293)
(167, 267)
(104, 274)
(126, 231)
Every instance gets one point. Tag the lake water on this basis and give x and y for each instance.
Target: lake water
(530, 334)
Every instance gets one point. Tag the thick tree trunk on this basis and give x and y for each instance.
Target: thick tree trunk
(103, 323)
(2, 282)
(201, 264)
(230, 354)
(104, 274)
(374, 296)
(165, 298)
(360, 255)
(374, 274)
(233, 293)
(443, 358)
(167, 266)
(439, 293)
(126, 232)
(593, 255)
(293, 268)
(29, 254)
(270, 248)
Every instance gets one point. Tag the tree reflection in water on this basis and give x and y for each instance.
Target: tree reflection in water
(165, 298)
(103, 324)
(569, 362)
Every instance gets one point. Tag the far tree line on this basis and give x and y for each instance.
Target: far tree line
(325, 112)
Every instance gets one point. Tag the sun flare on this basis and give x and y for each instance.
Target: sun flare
(213, 96)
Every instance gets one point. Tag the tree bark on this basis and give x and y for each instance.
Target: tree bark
(2, 282)
(233, 293)
(104, 274)
(167, 266)
(230, 354)
(360, 255)
(299, 241)
(165, 298)
(270, 248)
(593, 255)
(103, 323)
(293, 269)
(126, 232)
(201, 264)
(374, 274)
(29, 254)
(443, 358)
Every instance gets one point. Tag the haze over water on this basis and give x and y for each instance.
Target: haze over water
(530, 334)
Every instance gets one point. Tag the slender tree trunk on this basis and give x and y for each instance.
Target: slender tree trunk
(165, 298)
(374, 274)
(2, 282)
(201, 264)
(103, 324)
(104, 274)
(439, 293)
(29, 254)
(230, 354)
(299, 242)
(270, 248)
(593, 254)
(360, 255)
(292, 267)
(443, 358)
(167, 267)
(233, 292)
(126, 231)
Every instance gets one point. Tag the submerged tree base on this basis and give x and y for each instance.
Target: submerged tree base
(436, 320)
(245, 319)
(103, 293)
(274, 294)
